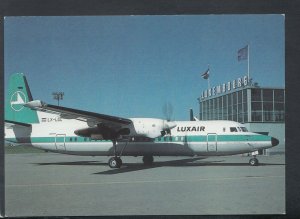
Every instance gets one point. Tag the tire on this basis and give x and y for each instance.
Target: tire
(148, 160)
(114, 162)
(253, 162)
(119, 162)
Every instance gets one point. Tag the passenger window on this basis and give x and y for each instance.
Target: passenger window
(233, 129)
(224, 129)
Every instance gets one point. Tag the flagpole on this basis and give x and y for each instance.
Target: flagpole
(205, 76)
(208, 83)
(248, 63)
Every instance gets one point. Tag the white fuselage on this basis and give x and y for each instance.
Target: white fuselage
(188, 138)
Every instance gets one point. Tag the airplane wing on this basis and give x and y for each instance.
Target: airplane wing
(70, 113)
(11, 124)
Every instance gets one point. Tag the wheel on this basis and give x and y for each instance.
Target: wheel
(112, 162)
(253, 162)
(119, 161)
(148, 159)
(115, 162)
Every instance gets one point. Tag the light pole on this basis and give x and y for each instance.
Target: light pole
(58, 96)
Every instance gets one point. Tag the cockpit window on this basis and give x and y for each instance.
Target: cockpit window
(239, 129)
(233, 129)
(244, 129)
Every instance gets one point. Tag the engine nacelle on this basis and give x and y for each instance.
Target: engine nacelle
(148, 127)
(101, 132)
(97, 137)
(152, 128)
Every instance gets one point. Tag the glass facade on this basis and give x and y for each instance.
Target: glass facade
(246, 105)
(267, 105)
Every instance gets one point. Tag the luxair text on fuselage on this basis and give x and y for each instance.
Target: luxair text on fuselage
(190, 128)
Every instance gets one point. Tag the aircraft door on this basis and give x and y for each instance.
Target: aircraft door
(60, 140)
(212, 142)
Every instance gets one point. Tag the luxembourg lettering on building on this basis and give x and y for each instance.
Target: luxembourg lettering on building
(225, 87)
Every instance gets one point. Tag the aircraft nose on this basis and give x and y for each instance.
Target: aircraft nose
(274, 141)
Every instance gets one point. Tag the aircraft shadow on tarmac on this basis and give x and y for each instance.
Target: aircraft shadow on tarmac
(74, 163)
(175, 163)
(129, 167)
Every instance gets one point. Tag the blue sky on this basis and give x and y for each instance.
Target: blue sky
(130, 66)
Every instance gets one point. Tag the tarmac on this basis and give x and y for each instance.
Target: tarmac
(48, 184)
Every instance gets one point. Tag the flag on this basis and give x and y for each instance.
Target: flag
(205, 75)
(243, 53)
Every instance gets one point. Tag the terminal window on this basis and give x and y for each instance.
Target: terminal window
(232, 106)
(266, 105)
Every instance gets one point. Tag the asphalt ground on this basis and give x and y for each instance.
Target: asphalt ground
(48, 184)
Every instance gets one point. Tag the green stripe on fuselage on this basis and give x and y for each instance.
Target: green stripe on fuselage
(220, 138)
(170, 139)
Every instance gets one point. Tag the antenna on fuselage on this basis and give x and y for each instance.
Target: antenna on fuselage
(192, 117)
(191, 114)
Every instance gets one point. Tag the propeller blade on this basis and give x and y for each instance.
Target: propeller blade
(169, 125)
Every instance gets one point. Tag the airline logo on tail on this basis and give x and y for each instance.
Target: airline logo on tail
(17, 101)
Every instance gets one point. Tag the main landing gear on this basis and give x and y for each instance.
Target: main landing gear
(116, 161)
(148, 160)
(253, 161)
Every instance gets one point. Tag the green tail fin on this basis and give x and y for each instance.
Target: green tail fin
(17, 95)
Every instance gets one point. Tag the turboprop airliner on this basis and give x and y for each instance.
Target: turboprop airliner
(71, 131)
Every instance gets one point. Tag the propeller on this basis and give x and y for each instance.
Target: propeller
(168, 124)
(168, 111)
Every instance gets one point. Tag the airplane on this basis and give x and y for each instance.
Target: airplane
(76, 132)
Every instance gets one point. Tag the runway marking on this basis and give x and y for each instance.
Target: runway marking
(144, 181)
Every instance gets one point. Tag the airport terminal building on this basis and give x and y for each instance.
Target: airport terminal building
(261, 109)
